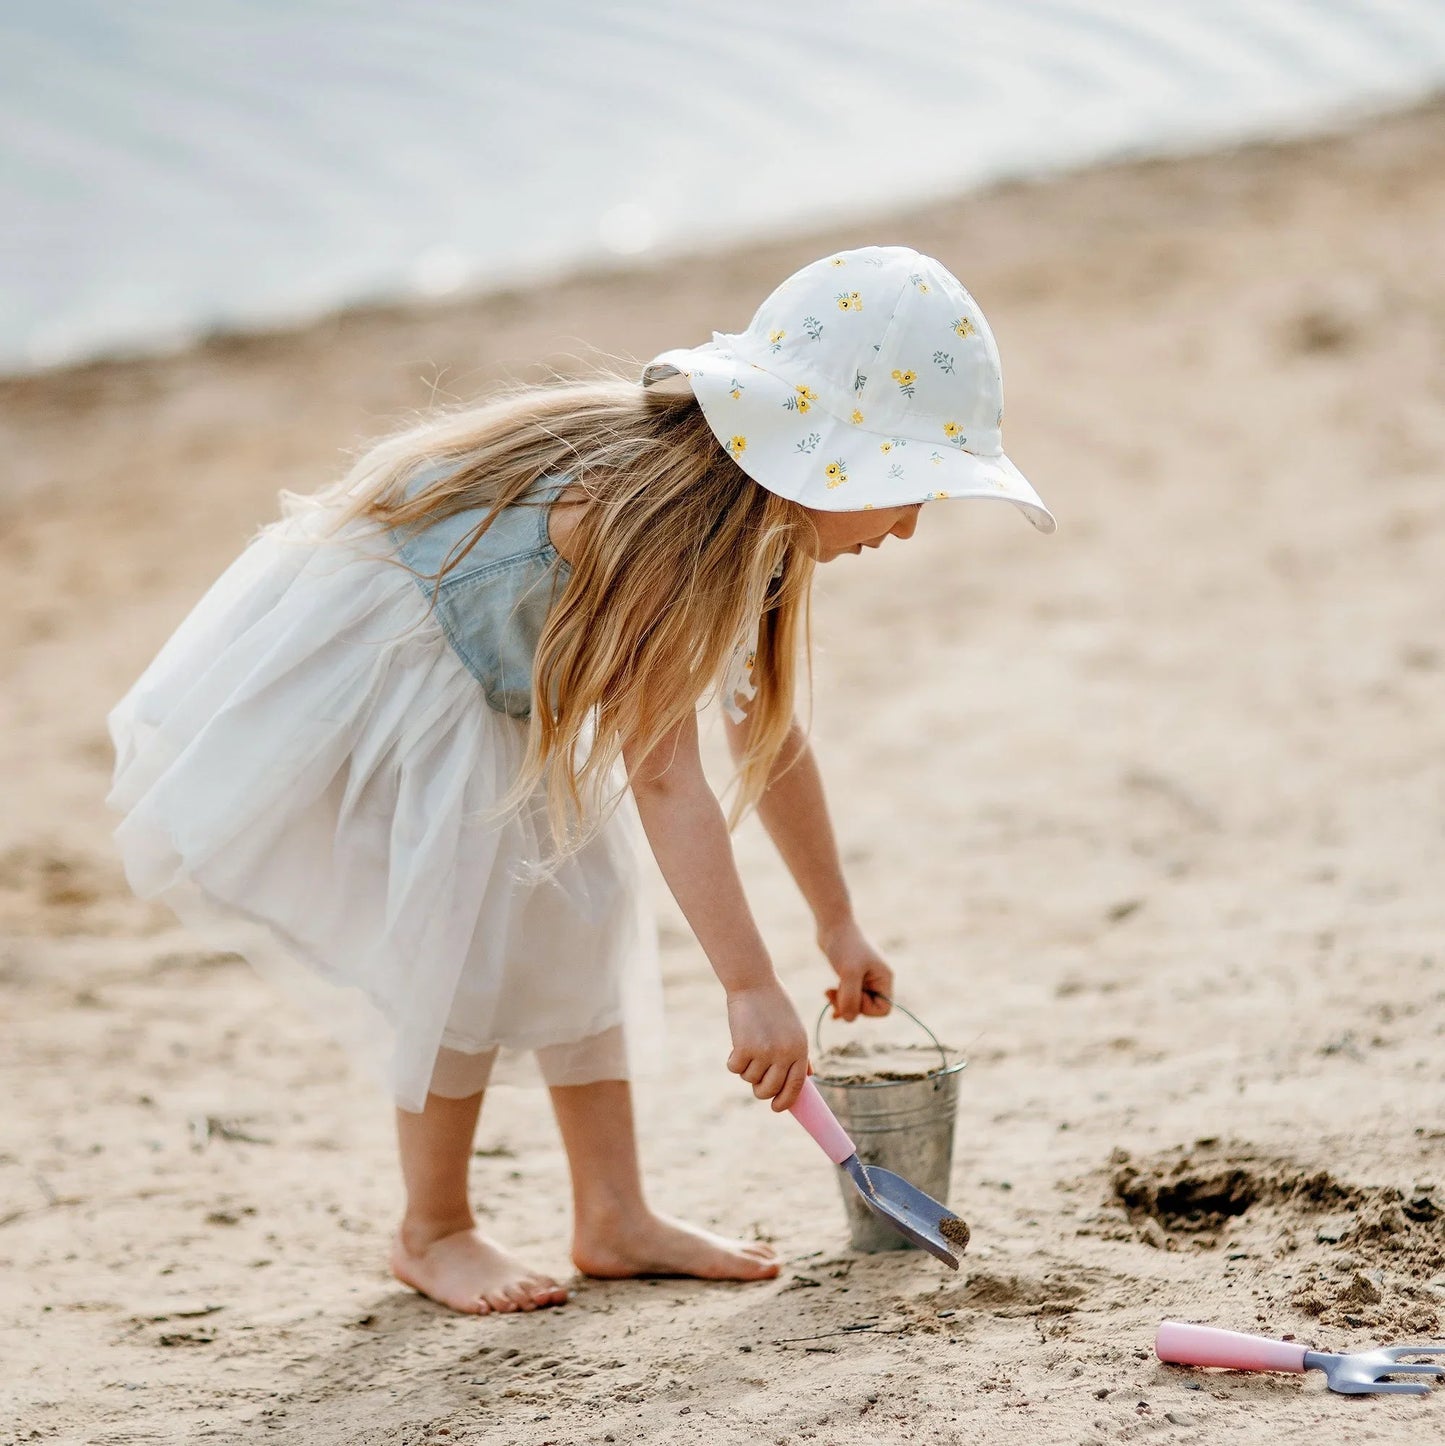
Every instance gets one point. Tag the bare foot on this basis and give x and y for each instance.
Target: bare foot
(469, 1273)
(649, 1244)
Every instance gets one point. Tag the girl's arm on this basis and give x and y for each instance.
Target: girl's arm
(795, 814)
(689, 837)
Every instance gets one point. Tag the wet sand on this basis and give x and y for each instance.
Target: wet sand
(1148, 816)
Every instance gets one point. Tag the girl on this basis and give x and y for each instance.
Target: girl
(400, 750)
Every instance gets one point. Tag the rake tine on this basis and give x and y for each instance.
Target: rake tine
(1395, 1388)
(1396, 1352)
(1409, 1368)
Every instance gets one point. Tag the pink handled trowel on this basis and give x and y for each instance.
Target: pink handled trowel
(916, 1216)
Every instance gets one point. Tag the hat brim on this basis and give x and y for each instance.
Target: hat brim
(788, 442)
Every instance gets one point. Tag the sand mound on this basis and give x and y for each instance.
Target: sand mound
(1365, 1255)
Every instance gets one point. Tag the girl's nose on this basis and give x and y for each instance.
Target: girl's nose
(906, 525)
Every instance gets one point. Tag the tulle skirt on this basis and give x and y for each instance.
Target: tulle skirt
(309, 777)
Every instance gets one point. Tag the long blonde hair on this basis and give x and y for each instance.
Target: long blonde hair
(675, 556)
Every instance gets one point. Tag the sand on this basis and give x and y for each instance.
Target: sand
(864, 1061)
(1147, 815)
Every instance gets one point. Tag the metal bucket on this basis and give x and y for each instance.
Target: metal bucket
(903, 1125)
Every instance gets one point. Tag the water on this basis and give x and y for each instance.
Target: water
(173, 166)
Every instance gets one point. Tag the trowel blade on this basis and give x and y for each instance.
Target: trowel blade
(916, 1216)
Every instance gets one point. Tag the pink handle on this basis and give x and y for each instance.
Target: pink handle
(1197, 1345)
(813, 1114)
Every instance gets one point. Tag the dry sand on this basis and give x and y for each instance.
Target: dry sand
(1150, 815)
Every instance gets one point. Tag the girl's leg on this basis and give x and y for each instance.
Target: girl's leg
(438, 1249)
(615, 1233)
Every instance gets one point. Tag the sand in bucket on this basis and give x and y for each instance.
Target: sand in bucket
(899, 1103)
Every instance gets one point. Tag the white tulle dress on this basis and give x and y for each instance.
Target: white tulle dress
(308, 774)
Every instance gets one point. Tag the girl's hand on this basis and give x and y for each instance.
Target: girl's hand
(770, 1045)
(862, 973)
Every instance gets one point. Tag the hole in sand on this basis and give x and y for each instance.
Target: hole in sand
(1199, 1191)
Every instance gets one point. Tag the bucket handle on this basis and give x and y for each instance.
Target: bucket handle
(894, 1004)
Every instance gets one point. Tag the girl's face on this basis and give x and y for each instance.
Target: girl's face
(840, 532)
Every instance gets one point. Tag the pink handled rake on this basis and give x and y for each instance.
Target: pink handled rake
(1360, 1374)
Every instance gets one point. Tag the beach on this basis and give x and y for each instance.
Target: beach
(1147, 816)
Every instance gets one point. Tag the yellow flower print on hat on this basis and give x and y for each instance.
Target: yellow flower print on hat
(801, 400)
(885, 447)
(856, 418)
(963, 327)
(938, 496)
(838, 261)
(920, 285)
(849, 301)
(836, 473)
(951, 429)
(905, 380)
(775, 339)
(737, 444)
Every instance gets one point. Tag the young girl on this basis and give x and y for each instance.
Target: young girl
(400, 750)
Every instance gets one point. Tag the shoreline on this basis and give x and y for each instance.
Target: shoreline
(1175, 142)
(804, 239)
(1145, 814)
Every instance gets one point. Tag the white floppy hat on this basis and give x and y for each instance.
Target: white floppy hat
(867, 379)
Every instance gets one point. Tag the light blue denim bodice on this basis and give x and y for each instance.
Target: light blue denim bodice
(493, 604)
